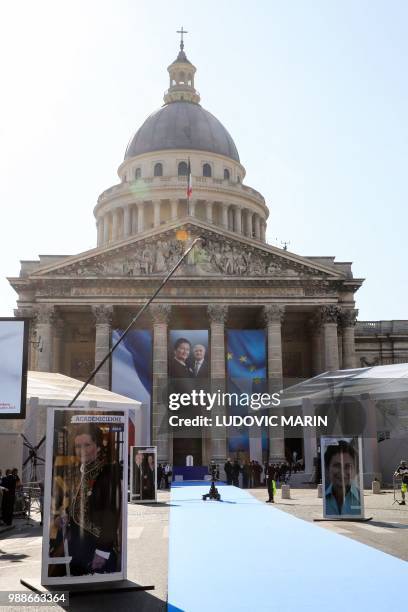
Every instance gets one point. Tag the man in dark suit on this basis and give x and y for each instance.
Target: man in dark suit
(200, 363)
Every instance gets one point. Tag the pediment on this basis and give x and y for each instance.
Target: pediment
(156, 252)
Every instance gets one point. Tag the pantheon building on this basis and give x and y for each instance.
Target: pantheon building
(306, 305)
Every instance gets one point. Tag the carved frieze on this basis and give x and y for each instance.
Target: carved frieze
(217, 256)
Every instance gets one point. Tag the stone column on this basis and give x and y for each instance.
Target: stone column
(217, 314)
(45, 317)
(209, 211)
(103, 322)
(174, 209)
(100, 230)
(115, 224)
(340, 345)
(59, 326)
(160, 429)
(27, 312)
(330, 347)
(127, 221)
(273, 316)
(224, 219)
(248, 223)
(238, 220)
(263, 230)
(134, 229)
(106, 228)
(156, 213)
(257, 227)
(140, 217)
(348, 319)
(315, 333)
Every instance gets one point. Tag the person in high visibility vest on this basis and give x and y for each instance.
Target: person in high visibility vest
(402, 472)
(271, 482)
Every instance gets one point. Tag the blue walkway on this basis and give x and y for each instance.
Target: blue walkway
(242, 554)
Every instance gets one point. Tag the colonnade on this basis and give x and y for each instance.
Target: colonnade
(328, 324)
(128, 220)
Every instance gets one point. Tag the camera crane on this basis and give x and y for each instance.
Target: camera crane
(213, 492)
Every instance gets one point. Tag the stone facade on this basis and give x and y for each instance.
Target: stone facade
(235, 280)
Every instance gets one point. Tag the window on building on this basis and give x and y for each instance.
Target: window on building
(158, 169)
(226, 174)
(182, 169)
(238, 179)
(138, 173)
(206, 170)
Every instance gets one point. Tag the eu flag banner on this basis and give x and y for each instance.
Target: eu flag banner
(246, 359)
(246, 373)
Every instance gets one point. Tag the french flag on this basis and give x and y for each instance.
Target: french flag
(189, 181)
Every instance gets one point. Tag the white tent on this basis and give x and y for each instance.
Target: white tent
(378, 397)
(46, 390)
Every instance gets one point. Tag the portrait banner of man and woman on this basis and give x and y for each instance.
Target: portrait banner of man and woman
(85, 496)
(143, 474)
(342, 472)
(189, 356)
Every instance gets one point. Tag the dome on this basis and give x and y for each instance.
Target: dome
(182, 125)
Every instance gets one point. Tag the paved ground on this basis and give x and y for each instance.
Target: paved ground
(20, 557)
(388, 531)
(20, 549)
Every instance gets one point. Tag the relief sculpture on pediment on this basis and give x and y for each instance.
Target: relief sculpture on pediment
(216, 256)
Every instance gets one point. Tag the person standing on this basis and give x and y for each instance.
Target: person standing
(245, 475)
(228, 471)
(271, 483)
(402, 472)
(8, 482)
(235, 473)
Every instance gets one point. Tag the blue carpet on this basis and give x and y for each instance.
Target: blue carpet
(193, 483)
(246, 555)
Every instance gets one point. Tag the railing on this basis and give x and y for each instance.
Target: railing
(177, 181)
(368, 328)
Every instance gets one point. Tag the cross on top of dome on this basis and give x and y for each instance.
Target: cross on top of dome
(182, 31)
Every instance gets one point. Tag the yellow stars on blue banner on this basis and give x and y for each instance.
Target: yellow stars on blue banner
(230, 356)
(243, 359)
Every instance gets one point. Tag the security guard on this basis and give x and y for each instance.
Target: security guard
(402, 472)
(270, 482)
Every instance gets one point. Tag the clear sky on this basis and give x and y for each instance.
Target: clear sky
(314, 94)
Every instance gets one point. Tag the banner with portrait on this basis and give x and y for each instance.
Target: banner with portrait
(13, 367)
(132, 376)
(143, 474)
(188, 371)
(342, 477)
(85, 504)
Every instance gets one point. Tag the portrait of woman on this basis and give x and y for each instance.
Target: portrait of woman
(87, 514)
(179, 366)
